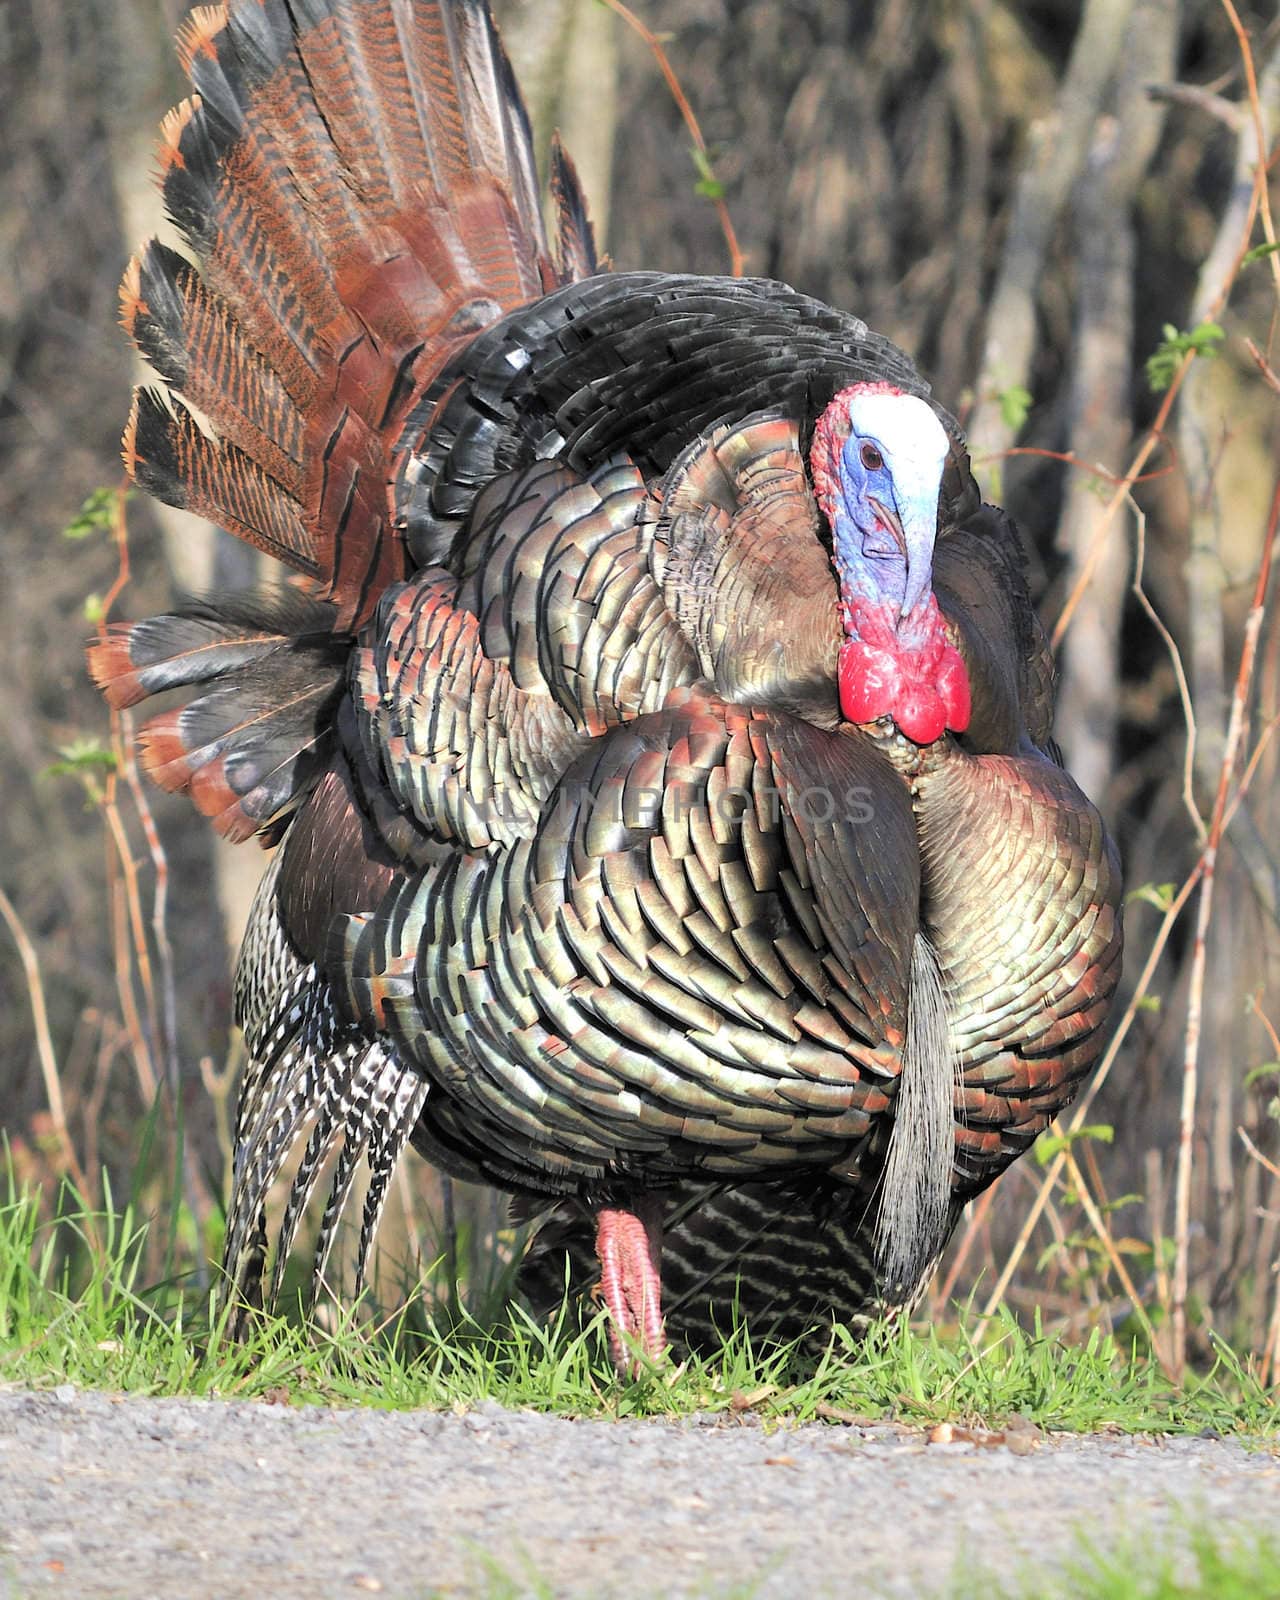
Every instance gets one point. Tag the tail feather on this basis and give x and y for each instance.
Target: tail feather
(357, 183)
(190, 336)
(575, 241)
(245, 764)
(384, 1101)
(197, 31)
(339, 1119)
(252, 746)
(167, 454)
(137, 659)
(355, 187)
(398, 1114)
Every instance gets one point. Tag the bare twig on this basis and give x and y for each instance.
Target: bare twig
(1270, 1363)
(44, 1040)
(1267, 1024)
(1094, 469)
(1204, 913)
(132, 891)
(1099, 1225)
(1269, 376)
(1270, 1366)
(1246, 779)
(162, 1009)
(39, 1017)
(1263, 1161)
(690, 121)
(1093, 554)
(1180, 676)
(1258, 111)
(1229, 112)
(973, 1226)
(1086, 1100)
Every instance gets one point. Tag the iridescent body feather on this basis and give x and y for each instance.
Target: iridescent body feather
(589, 879)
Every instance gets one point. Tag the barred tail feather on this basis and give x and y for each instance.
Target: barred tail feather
(356, 181)
(357, 1106)
(575, 237)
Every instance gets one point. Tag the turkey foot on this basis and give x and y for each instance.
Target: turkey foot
(629, 1244)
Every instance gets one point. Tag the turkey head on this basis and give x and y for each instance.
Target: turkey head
(878, 458)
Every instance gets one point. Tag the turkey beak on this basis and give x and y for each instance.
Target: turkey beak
(916, 527)
(913, 533)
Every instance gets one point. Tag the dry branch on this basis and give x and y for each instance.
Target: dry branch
(1204, 913)
(1060, 146)
(1199, 430)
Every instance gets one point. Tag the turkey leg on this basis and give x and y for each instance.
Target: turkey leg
(629, 1244)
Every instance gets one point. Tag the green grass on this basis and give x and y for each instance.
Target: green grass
(1199, 1566)
(1205, 1566)
(77, 1311)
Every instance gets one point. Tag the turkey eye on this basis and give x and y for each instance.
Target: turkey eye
(872, 460)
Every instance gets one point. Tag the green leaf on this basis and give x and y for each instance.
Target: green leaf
(708, 185)
(1149, 1002)
(1201, 340)
(1049, 1145)
(1268, 1069)
(1015, 402)
(1159, 895)
(1257, 253)
(94, 610)
(81, 756)
(94, 516)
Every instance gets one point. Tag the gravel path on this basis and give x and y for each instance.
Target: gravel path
(103, 1497)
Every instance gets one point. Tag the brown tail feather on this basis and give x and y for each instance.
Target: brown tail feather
(248, 771)
(196, 34)
(575, 238)
(166, 454)
(133, 660)
(191, 338)
(356, 180)
(255, 742)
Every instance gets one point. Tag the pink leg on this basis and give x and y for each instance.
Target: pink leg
(629, 1244)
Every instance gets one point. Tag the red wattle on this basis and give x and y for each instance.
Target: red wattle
(869, 681)
(920, 714)
(922, 685)
(953, 685)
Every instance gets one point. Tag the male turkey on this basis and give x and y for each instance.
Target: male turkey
(654, 735)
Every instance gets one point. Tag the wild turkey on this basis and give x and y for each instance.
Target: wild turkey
(654, 734)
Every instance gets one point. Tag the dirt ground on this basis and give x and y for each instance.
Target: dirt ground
(104, 1497)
